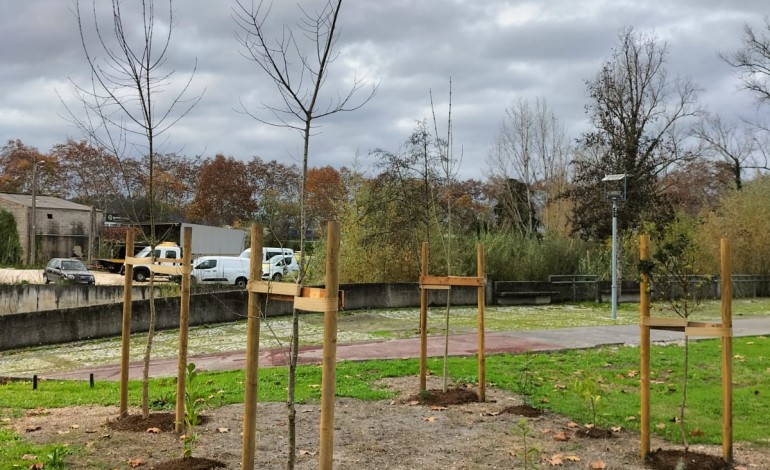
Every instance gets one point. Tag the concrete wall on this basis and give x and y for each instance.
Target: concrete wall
(19, 330)
(22, 298)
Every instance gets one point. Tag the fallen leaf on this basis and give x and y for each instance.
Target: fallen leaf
(696, 432)
(598, 465)
(37, 466)
(741, 467)
(74, 426)
(544, 400)
(307, 452)
(430, 419)
(589, 426)
(223, 430)
(556, 460)
(615, 429)
(314, 386)
(414, 402)
(28, 457)
(561, 436)
(546, 431)
(489, 413)
(133, 463)
(33, 428)
(632, 373)
(438, 408)
(572, 424)
(153, 430)
(630, 418)
(620, 376)
(560, 387)
(660, 426)
(37, 412)
(572, 458)
(5, 420)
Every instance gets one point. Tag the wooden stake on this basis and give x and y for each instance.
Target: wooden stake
(424, 321)
(252, 353)
(126, 326)
(328, 378)
(481, 301)
(727, 353)
(184, 327)
(644, 313)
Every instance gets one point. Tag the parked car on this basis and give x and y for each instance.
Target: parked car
(67, 270)
(221, 269)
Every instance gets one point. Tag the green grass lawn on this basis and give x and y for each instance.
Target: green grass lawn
(547, 379)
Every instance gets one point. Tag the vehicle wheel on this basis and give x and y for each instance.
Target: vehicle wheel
(277, 277)
(140, 275)
(45, 278)
(241, 282)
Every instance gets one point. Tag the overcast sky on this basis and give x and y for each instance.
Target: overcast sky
(494, 51)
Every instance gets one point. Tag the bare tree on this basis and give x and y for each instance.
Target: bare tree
(753, 61)
(532, 149)
(124, 110)
(297, 62)
(734, 146)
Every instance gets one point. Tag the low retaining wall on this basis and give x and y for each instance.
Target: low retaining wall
(26, 329)
(21, 298)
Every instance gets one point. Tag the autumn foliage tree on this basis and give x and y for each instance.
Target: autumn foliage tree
(223, 193)
(16, 162)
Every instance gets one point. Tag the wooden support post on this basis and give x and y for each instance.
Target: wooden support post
(126, 326)
(328, 377)
(252, 353)
(481, 302)
(184, 327)
(644, 314)
(727, 353)
(424, 321)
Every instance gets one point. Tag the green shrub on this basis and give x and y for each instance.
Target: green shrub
(10, 247)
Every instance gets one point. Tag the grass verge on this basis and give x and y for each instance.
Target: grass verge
(547, 380)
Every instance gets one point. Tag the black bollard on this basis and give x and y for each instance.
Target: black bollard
(34, 382)
(91, 380)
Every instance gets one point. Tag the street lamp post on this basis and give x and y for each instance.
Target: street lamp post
(615, 190)
(33, 237)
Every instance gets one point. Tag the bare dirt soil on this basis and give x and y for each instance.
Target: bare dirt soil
(393, 434)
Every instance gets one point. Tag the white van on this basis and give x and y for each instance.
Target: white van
(280, 267)
(221, 269)
(268, 253)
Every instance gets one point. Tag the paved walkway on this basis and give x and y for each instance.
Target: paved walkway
(459, 345)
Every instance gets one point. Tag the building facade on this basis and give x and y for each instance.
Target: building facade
(61, 228)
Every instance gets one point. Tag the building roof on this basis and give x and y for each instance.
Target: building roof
(42, 202)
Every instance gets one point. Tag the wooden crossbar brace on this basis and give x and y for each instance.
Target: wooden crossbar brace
(310, 299)
(444, 282)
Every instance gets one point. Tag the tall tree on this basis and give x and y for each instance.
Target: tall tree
(753, 61)
(636, 111)
(298, 65)
(131, 99)
(532, 149)
(416, 168)
(734, 146)
(19, 163)
(223, 193)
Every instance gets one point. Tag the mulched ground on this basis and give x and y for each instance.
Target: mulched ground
(677, 459)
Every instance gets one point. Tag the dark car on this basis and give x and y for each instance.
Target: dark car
(67, 270)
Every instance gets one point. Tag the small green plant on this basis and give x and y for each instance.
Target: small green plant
(589, 388)
(529, 453)
(55, 460)
(525, 382)
(192, 409)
